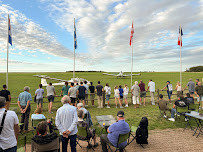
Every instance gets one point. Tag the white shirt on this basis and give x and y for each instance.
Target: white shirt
(66, 119)
(125, 91)
(151, 86)
(108, 90)
(7, 137)
(179, 88)
(116, 91)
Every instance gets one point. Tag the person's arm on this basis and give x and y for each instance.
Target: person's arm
(69, 93)
(174, 106)
(176, 87)
(21, 110)
(9, 97)
(16, 131)
(164, 88)
(108, 130)
(74, 123)
(132, 92)
(28, 103)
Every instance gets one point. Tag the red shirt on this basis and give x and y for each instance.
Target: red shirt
(142, 87)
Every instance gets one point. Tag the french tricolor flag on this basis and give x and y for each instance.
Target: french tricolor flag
(180, 36)
(9, 31)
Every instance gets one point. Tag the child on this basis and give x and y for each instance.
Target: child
(125, 94)
(116, 95)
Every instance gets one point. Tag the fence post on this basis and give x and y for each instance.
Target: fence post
(103, 98)
(157, 95)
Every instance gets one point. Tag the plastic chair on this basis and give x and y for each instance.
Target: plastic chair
(122, 138)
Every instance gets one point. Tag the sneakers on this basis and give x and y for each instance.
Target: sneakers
(98, 107)
(171, 119)
(126, 106)
(186, 119)
(153, 104)
(165, 116)
(86, 105)
(107, 106)
(121, 106)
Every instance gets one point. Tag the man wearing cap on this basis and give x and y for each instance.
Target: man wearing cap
(120, 127)
(169, 90)
(191, 87)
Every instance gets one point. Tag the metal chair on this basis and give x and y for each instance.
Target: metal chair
(181, 111)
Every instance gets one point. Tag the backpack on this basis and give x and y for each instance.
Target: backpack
(142, 131)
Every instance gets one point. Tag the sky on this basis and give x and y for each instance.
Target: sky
(42, 35)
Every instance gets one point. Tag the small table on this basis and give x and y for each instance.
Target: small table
(105, 121)
(198, 118)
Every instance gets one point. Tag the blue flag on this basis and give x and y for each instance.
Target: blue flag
(75, 38)
(9, 32)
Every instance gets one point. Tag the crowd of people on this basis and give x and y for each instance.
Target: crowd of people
(71, 114)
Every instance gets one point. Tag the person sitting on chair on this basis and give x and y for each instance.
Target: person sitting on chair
(82, 123)
(44, 138)
(120, 127)
(181, 102)
(189, 99)
(163, 105)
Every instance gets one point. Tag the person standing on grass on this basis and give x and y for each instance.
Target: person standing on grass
(199, 93)
(117, 95)
(169, 90)
(86, 93)
(125, 94)
(99, 89)
(65, 89)
(50, 95)
(151, 88)
(121, 95)
(197, 80)
(191, 87)
(10, 131)
(107, 89)
(179, 89)
(5, 93)
(24, 99)
(72, 93)
(142, 92)
(39, 96)
(92, 93)
(66, 123)
(81, 93)
(135, 90)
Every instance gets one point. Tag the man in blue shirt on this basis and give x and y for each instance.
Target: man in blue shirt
(66, 123)
(24, 104)
(120, 127)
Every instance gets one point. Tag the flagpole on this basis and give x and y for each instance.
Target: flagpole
(74, 51)
(132, 64)
(7, 55)
(180, 59)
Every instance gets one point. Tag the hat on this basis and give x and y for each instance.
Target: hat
(120, 114)
(79, 105)
(168, 81)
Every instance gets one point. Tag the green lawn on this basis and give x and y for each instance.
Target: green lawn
(18, 80)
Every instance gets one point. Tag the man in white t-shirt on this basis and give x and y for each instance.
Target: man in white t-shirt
(10, 131)
(151, 87)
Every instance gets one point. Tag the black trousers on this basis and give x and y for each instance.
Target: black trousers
(25, 118)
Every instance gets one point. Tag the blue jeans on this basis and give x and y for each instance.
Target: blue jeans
(169, 94)
(72, 143)
(13, 149)
(107, 97)
(173, 111)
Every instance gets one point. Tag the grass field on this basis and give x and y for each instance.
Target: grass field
(17, 81)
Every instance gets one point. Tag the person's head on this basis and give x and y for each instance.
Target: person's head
(125, 85)
(136, 83)
(120, 115)
(141, 81)
(161, 96)
(85, 82)
(91, 83)
(187, 95)
(116, 87)
(50, 84)
(66, 83)
(26, 88)
(79, 105)
(98, 82)
(190, 79)
(120, 86)
(38, 111)
(181, 97)
(76, 83)
(197, 80)
(81, 83)
(65, 99)
(40, 85)
(168, 82)
(72, 84)
(150, 80)
(80, 114)
(42, 127)
(4, 86)
(2, 101)
(199, 83)
(178, 83)
(107, 84)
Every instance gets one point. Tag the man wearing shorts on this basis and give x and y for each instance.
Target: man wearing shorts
(39, 96)
(191, 87)
(199, 93)
(50, 95)
(72, 92)
(142, 92)
(92, 93)
(5, 93)
(81, 93)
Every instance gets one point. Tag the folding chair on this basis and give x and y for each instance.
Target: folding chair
(132, 133)
(35, 123)
(162, 115)
(121, 138)
(193, 107)
(181, 111)
(82, 132)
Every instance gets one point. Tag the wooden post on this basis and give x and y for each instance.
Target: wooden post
(157, 95)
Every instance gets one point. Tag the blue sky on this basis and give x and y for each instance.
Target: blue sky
(42, 32)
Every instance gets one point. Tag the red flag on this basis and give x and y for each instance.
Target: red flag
(131, 36)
